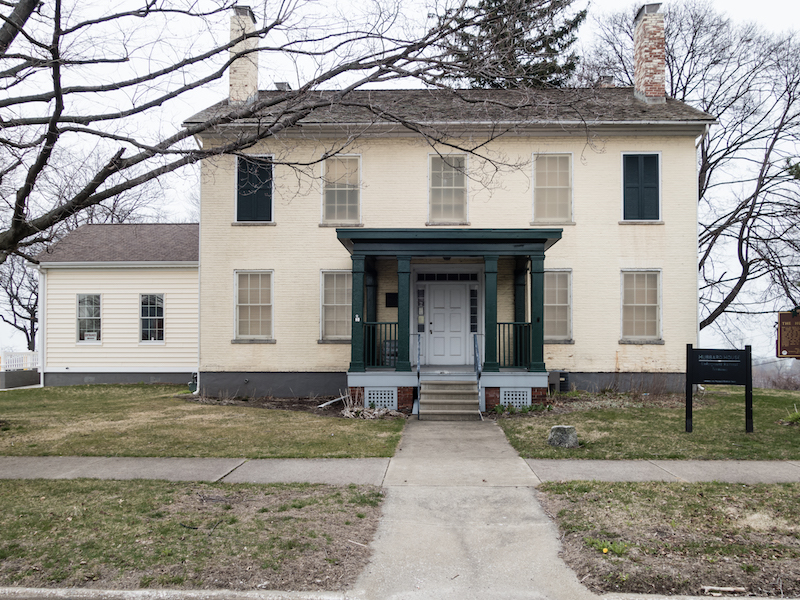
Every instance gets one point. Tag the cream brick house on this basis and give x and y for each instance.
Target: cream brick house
(351, 252)
(119, 303)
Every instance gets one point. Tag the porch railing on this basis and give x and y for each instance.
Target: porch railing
(513, 344)
(380, 344)
(19, 361)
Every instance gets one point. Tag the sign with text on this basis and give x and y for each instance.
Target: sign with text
(788, 335)
(731, 367)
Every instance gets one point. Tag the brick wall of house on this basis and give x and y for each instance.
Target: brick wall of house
(648, 56)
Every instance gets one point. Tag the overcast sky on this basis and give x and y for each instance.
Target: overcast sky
(774, 15)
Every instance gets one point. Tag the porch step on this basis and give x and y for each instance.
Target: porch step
(449, 401)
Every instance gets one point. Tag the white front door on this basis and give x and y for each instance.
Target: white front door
(447, 324)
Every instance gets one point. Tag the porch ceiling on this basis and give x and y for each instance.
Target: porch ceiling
(447, 242)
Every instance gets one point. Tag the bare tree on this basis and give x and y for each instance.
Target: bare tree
(19, 297)
(93, 91)
(749, 241)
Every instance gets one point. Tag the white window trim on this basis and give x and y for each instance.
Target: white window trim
(77, 321)
(271, 157)
(570, 337)
(642, 340)
(322, 220)
(431, 156)
(236, 336)
(322, 274)
(622, 218)
(571, 220)
(164, 307)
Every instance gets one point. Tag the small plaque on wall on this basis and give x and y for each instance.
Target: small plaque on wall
(391, 299)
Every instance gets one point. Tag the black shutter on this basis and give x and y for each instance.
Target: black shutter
(254, 189)
(640, 180)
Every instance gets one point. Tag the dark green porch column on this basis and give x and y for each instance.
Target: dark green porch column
(520, 285)
(537, 314)
(403, 294)
(357, 336)
(490, 363)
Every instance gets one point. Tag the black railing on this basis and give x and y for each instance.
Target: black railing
(380, 344)
(513, 344)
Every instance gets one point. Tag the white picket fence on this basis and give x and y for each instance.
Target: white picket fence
(19, 361)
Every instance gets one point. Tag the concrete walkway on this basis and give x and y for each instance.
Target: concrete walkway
(460, 519)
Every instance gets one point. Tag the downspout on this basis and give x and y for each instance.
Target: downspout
(42, 321)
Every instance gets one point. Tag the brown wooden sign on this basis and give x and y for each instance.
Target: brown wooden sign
(789, 334)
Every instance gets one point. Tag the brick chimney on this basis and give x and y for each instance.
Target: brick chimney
(243, 73)
(648, 55)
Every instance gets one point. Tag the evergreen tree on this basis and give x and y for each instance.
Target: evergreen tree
(506, 44)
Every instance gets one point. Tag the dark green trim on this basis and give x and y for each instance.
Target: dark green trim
(490, 364)
(403, 308)
(520, 276)
(537, 313)
(371, 308)
(357, 335)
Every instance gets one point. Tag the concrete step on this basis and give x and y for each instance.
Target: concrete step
(449, 401)
(449, 415)
(433, 404)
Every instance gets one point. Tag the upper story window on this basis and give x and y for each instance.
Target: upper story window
(641, 306)
(448, 192)
(253, 188)
(552, 191)
(254, 305)
(88, 317)
(337, 298)
(557, 306)
(340, 200)
(151, 318)
(641, 187)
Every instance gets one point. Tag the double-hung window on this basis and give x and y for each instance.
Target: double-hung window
(340, 201)
(254, 305)
(448, 189)
(552, 191)
(151, 319)
(641, 187)
(641, 306)
(88, 317)
(557, 306)
(337, 299)
(253, 188)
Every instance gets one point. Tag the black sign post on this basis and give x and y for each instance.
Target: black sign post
(733, 367)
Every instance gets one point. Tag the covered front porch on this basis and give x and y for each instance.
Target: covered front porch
(458, 303)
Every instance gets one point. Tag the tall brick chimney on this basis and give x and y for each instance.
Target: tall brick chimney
(648, 55)
(243, 73)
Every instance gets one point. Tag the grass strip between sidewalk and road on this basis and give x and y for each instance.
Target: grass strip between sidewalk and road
(637, 426)
(675, 538)
(146, 420)
(157, 534)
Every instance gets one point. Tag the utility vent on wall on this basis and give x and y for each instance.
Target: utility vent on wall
(516, 397)
(382, 397)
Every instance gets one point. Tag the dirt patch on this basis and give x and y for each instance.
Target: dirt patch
(309, 405)
(626, 542)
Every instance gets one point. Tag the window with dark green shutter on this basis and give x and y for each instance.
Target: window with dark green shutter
(254, 189)
(641, 179)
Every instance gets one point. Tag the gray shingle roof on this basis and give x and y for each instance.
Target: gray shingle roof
(129, 242)
(556, 106)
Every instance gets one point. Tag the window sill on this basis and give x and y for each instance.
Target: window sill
(641, 222)
(570, 341)
(447, 224)
(152, 343)
(253, 224)
(252, 341)
(83, 343)
(345, 224)
(334, 342)
(551, 223)
(642, 342)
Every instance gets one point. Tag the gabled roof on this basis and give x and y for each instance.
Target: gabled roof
(588, 106)
(127, 243)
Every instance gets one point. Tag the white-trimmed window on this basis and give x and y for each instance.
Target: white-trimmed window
(151, 317)
(641, 191)
(552, 189)
(337, 299)
(88, 317)
(448, 189)
(557, 306)
(253, 188)
(340, 195)
(254, 305)
(641, 305)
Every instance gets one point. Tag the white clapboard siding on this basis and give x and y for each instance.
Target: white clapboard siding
(120, 346)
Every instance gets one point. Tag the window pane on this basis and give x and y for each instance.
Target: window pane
(254, 305)
(88, 317)
(337, 292)
(152, 322)
(341, 189)
(557, 306)
(448, 189)
(552, 188)
(640, 310)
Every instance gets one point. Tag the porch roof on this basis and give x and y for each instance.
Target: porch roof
(447, 242)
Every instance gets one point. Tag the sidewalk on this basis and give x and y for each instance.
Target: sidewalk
(460, 519)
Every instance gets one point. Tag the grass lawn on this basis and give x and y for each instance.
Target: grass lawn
(157, 534)
(146, 420)
(617, 426)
